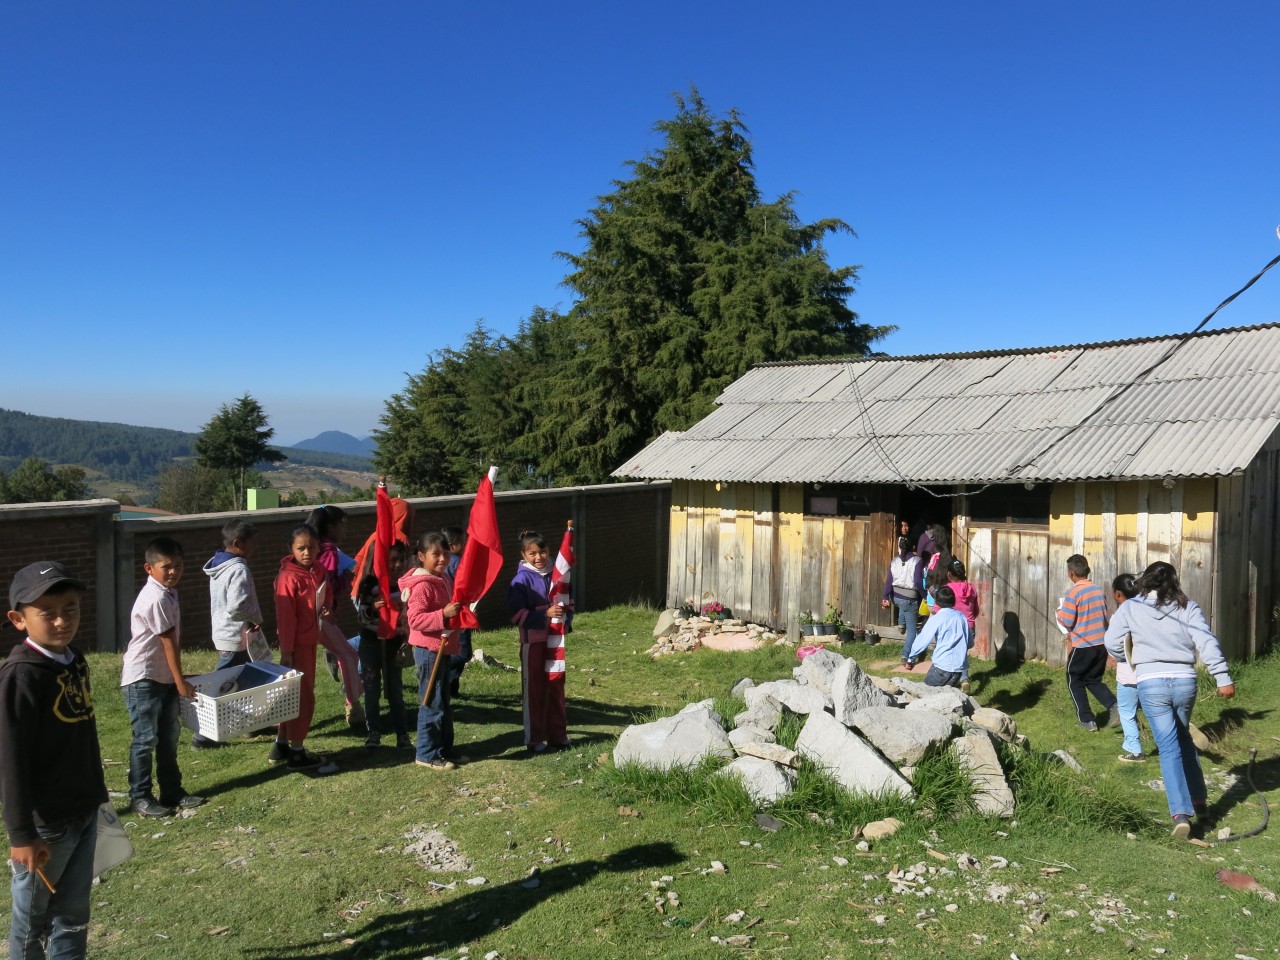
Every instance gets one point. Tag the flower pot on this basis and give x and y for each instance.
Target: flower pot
(872, 637)
(827, 629)
(808, 629)
(848, 635)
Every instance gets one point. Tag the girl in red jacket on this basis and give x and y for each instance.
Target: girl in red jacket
(425, 592)
(299, 601)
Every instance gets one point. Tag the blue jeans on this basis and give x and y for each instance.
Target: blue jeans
(153, 712)
(435, 718)
(56, 925)
(1167, 702)
(1127, 702)
(908, 616)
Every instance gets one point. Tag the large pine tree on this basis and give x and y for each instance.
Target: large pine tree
(688, 278)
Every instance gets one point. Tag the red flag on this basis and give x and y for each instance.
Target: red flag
(481, 557)
(384, 536)
(557, 627)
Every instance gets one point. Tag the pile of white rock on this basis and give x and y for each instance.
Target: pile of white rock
(867, 732)
(679, 633)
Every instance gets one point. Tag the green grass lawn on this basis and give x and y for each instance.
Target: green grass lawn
(280, 865)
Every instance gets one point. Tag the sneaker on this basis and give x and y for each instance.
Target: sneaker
(279, 754)
(440, 764)
(964, 686)
(404, 743)
(1131, 758)
(567, 745)
(1088, 726)
(1113, 717)
(148, 807)
(189, 801)
(204, 743)
(304, 760)
(372, 742)
(332, 662)
(1181, 827)
(536, 747)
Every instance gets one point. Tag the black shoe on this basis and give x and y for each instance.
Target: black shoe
(306, 760)
(204, 743)
(279, 754)
(332, 661)
(189, 801)
(536, 747)
(1181, 827)
(148, 807)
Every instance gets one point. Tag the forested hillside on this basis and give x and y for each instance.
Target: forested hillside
(117, 450)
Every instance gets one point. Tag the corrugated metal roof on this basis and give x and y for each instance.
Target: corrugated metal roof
(1191, 405)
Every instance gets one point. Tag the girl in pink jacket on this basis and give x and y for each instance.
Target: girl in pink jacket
(425, 592)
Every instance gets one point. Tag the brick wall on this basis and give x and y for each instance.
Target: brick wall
(621, 544)
(78, 535)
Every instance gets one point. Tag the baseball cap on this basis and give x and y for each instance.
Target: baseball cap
(36, 579)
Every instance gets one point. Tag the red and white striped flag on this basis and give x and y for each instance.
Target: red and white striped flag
(559, 594)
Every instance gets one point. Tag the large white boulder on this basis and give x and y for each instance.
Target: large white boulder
(904, 736)
(977, 754)
(851, 760)
(818, 668)
(852, 690)
(766, 782)
(683, 740)
(796, 697)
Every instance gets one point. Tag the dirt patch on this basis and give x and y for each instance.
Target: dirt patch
(434, 851)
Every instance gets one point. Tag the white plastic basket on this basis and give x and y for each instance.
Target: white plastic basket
(225, 716)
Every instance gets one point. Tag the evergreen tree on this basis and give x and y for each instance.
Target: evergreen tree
(236, 438)
(687, 280)
(32, 481)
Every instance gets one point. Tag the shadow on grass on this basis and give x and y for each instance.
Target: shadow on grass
(410, 934)
(1266, 778)
(1012, 702)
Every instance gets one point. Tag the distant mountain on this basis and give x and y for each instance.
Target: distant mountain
(335, 441)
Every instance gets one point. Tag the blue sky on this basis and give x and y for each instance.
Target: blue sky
(302, 200)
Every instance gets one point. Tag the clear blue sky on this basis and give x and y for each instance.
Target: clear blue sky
(303, 199)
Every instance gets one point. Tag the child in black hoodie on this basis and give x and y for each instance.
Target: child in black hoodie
(51, 782)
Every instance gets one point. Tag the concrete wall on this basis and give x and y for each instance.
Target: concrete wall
(621, 545)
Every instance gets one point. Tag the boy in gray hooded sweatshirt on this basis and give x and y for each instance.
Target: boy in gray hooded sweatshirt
(233, 600)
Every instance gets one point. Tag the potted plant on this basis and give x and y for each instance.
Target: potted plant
(714, 610)
(847, 633)
(831, 622)
(808, 623)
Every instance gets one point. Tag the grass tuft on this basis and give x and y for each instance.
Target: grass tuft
(1049, 794)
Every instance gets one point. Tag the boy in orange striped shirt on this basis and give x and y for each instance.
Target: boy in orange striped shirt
(1082, 616)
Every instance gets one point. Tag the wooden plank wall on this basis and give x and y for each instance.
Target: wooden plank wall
(1009, 569)
(729, 543)
(751, 547)
(1245, 564)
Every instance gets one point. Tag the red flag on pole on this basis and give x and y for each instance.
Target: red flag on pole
(481, 557)
(557, 627)
(384, 536)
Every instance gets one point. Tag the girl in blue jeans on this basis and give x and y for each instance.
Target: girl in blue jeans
(1166, 631)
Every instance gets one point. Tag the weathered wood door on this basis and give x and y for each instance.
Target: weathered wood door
(1009, 567)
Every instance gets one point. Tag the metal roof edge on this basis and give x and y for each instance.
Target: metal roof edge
(1016, 351)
